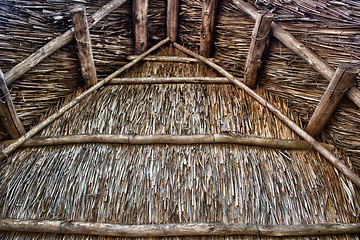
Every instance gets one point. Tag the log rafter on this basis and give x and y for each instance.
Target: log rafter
(207, 27)
(172, 19)
(140, 12)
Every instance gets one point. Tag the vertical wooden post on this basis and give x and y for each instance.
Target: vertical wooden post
(83, 44)
(172, 19)
(342, 81)
(258, 45)
(8, 114)
(140, 9)
(207, 27)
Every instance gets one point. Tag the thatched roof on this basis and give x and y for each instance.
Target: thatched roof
(160, 183)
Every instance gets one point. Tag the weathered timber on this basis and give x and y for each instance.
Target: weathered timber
(176, 229)
(258, 46)
(170, 80)
(172, 19)
(140, 10)
(73, 102)
(83, 44)
(169, 59)
(56, 43)
(207, 27)
(9, 117)
(171, 139)
(321, 149)
(319, 64)
(342, 81)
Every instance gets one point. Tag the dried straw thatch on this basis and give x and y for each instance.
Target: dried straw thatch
(171, 183)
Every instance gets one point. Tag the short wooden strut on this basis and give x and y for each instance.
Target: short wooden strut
(341, 82)
(172, 19)
(140, 10)
(207, 27)
(258, 45)
(9, 118)
(83, 44)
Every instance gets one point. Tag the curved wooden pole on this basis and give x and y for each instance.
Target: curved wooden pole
(319, 64)
(322, 150)
(170, 139)
(176, 229)
(12, 147)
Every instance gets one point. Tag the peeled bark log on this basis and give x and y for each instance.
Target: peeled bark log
(176, 229)
(171, 80)
(140, 11)
(207, 27)
(172, 19)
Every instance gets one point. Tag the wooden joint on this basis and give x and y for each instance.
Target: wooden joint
(172, 19)
(140, 10)
(9, 117)
(258, 46)
(83, 44)
(342, 81)
(207, 27)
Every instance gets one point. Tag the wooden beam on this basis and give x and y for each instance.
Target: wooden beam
(258, 46)
(9, 117)
(171, 139)
(172, 19)
(323, 151)
(83, 44)
(56, 43)
(140, 10)
(171, 80)
(319, 64)
(176, 229)
(207, 27)
(169, 59)
(12, 147)
(342, 81)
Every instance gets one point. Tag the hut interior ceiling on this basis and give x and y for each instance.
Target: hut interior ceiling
(166, 183)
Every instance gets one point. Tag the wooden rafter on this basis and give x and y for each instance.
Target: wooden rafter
(176, 229)
(291, 124)
(258, 46)
(207, 27)
(83, 44)
(56, 43)
(342, 81)
(300, 49)
(172, 139)
(9, 117)
(140, 11)
(170, 80)
(172, 19)
(13, 146)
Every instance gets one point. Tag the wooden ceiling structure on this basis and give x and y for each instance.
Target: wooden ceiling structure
(341, 84)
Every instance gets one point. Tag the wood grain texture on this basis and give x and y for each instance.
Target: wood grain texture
(172, 19)
(342, 81)
(83, 44)
(176, 229)
(207, 27)
(9, 117)
(140, 11)
(259, 43)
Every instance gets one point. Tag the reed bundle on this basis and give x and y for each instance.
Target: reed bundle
(157, 184)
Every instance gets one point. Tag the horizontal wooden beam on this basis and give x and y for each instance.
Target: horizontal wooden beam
(207, 27)
(259, 43)
(83, 44)
(176, 229)
(291, 124)
(140, 12)
(172, 19)
(56, 43)
(9, 117)
(171, 80)
(319, 64)
(342, 81)
(169, 59)
(13, 146)
(171, 139)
